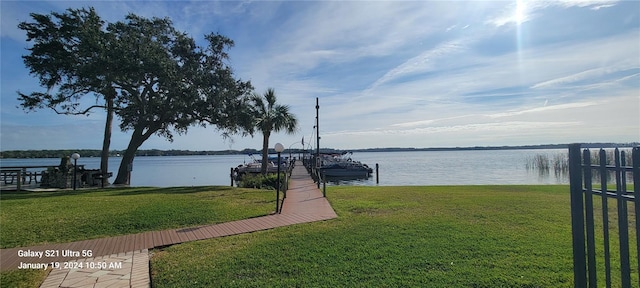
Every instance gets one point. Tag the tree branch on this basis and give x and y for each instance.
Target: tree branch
(82, 112)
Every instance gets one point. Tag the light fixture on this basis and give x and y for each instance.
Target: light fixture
(75, 157)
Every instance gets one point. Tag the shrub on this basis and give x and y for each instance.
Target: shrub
(261, 181)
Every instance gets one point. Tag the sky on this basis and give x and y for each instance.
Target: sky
(386, 73)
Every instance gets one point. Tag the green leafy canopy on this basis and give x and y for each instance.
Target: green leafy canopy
(158, 79)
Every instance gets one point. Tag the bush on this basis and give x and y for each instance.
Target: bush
(261, 182)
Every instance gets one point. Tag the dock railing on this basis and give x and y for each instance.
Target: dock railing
(318, 176)
(8, 176)
(21, 175)
(17, 177)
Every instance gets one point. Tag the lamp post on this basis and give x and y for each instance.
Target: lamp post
(279, 148)
(75, 157)
(318, 139)
(294, 143)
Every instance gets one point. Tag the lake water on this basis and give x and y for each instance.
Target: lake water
(471, 167)
(396, 168)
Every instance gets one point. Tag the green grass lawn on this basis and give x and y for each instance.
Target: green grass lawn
(439, 236)
(458, 236)
(32, 218)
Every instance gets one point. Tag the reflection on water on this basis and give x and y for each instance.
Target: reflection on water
(543, 163)
(472, 167)
(346, 180)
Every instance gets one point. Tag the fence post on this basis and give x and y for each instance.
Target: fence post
(588, 202)
(577, 217)
(605, 216)
(623, 225)
(635, 161)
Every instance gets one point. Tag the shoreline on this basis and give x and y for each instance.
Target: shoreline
(28, 154)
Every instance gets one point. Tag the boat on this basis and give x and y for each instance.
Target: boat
(336, 165)
(255, 166)
(345, 170)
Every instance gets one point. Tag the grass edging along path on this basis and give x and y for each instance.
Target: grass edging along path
(446, 236)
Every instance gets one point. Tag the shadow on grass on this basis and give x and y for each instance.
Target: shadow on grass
(120, 191)
(19, 195)
(170, 190)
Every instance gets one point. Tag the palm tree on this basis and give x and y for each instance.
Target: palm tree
(271, 117)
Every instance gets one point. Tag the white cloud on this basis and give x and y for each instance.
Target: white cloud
(435, 73)
(577, 122)
(626, 61)
(424, 62)
(544, 108)
(522, 11)
(581, 3)
(602, 6)
(471, 127)
(425, 100)
(339, 33)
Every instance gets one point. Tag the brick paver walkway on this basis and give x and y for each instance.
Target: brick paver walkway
(129, 269)
(122, 261)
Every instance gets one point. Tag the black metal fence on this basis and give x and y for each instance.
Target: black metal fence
(604, 218)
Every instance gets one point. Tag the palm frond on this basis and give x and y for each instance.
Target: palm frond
(270, 96)
(271, 117)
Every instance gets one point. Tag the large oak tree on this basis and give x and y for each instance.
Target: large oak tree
(161, 82)
(69, 52)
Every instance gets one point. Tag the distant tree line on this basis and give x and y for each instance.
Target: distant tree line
(118, 153)
(49, 153)
(521, 147)
(247, 151)
(115, 153)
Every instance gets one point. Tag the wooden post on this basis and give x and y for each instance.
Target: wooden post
(286, 185)
(377, 174)
(231, 176)
(19, 184)
(324, 185)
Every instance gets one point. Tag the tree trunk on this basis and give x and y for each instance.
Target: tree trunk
(265, 152)
(106, 142)
(127, 159)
